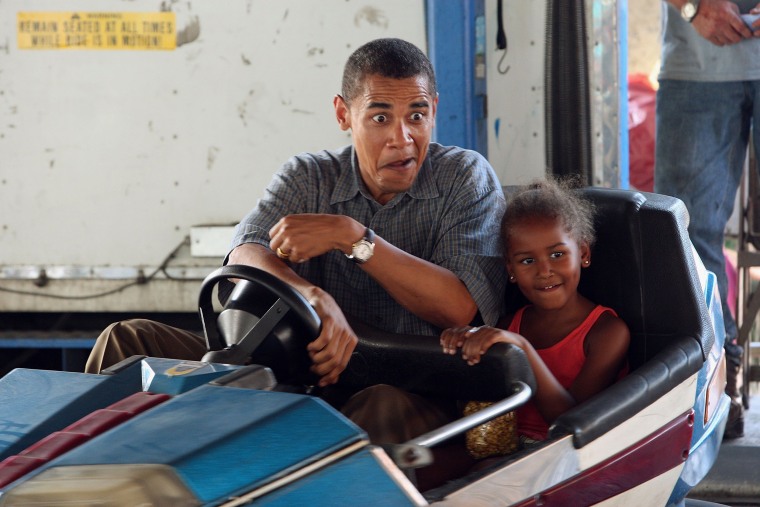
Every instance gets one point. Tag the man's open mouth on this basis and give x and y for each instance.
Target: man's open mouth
(401, 163)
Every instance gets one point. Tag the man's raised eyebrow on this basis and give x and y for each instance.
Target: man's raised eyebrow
(379, 105)
(422, 104)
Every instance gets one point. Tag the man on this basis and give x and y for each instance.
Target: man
(395, 230)
(708, 97)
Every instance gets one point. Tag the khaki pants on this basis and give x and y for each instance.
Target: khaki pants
(143, 337)
(392, 416)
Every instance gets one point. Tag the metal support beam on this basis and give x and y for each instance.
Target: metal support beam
(456, 47)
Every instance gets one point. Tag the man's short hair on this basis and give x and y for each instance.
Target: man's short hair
(391, 58)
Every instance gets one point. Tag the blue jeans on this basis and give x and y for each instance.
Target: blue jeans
(702, 136)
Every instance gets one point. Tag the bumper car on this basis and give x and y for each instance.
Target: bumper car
(242, 427)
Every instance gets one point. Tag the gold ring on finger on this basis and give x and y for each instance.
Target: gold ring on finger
(281, 254)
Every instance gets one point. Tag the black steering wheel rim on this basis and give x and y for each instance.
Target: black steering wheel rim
(287, 301)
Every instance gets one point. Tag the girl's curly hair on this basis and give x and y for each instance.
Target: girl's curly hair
(551, 198)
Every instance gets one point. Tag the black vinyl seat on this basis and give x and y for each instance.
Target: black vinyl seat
(643, 267)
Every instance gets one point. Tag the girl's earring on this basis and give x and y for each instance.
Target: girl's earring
(586, 262)
(512, 278)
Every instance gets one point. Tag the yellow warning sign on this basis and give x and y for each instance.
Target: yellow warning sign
(97, 30)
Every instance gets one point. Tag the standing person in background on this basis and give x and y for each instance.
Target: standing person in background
(707, 101)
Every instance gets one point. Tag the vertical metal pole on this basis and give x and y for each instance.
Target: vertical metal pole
(456, 45)
(748, 298)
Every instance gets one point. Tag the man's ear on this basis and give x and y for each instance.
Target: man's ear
(342, 113)
(435, 107)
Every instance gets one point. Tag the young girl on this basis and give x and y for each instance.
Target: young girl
(575, 347)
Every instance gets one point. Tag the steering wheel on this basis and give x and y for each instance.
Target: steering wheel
(265, 321)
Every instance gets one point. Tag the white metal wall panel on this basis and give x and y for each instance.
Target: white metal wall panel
(109, 157)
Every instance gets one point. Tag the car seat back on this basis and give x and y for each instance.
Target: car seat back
(644, 267)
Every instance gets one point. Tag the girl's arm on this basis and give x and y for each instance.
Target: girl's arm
(607, 345)
(606, 348)
(550, 397)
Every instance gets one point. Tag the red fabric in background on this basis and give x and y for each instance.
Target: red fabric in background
(641, 102)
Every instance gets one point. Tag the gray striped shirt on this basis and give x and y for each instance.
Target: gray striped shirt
(450, 216)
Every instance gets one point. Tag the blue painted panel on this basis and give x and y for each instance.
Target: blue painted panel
(47, 343)
(358, 479)
(222, 440)
(706, 438)
(453, 46)
(622, 40)
(35, 403)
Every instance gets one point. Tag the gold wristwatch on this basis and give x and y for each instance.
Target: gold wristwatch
(362, 250)
(689, 10)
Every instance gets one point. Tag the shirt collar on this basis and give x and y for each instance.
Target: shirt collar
(349, 183)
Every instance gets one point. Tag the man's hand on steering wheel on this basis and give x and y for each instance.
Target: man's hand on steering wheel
(332, 349)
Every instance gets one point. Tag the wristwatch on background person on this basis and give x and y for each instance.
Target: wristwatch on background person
(689, 10)
(362, 250)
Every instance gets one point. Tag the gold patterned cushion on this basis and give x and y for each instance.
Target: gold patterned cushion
(496, 437)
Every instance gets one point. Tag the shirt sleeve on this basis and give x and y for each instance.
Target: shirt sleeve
(285, 195)
(470, 245)
(281, 197)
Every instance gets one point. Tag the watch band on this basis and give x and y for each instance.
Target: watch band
(369, 235)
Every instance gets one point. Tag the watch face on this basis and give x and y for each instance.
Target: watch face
(362, 251)
(688, 11)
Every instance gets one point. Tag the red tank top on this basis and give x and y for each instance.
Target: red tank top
(564, 359)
